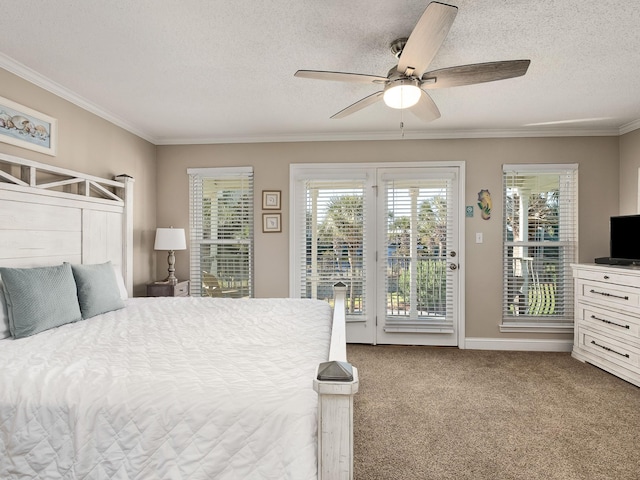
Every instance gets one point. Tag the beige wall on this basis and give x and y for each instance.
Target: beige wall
(608, 184)
(629, 170)
(598, 184)
(89, 144)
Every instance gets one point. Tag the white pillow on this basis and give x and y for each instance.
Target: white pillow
(120, 281)
(4, 316)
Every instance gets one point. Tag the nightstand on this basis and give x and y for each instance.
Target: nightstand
(181, 289)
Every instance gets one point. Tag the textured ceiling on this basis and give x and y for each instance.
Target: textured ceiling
(199, 71)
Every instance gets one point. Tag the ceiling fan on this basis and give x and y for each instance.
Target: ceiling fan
(405, 85)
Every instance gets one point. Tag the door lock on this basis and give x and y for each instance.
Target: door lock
(452, 254)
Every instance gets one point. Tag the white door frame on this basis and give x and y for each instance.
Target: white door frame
(297, 170)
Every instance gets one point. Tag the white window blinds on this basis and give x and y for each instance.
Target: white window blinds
(221, 230)
(540, 238)
(334, 242)
(419, 226)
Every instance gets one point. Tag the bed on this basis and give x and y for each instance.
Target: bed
(156, 387)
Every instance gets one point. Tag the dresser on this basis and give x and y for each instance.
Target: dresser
(607, 318)
(159, 289)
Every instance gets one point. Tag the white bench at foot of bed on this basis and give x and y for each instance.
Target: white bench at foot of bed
(335, 401)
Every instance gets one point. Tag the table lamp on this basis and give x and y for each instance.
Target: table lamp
(170, 239)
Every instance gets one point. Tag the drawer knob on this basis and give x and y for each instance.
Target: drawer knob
(606, 277)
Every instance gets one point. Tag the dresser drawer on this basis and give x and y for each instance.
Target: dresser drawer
(609, 349)
(610, 276)
(604, 294)
(161, 289)
(181, 289)
(610, 323)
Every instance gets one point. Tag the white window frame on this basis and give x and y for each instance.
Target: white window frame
(328, 173)
(195, 219)
(532, 323)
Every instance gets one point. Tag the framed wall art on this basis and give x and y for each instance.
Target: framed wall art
(271, 199)
(271, 223)
(24, 127)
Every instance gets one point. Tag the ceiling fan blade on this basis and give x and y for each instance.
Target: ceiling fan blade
(425, 109)
(340, 76)
(359, 105)
(476, 73)
(426, 38)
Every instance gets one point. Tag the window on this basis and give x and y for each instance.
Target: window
(334, 240)
(221, 231)
(540, 222)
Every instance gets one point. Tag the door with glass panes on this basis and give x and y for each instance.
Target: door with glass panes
(389, 234)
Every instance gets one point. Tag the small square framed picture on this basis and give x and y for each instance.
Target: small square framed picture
(271, 223)
(271, 199)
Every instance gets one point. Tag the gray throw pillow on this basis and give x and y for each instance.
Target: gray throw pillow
(98, 290)
(39, 298)
(4, 316)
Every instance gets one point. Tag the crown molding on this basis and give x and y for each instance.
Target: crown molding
(49, 85)
(394, 135)
(41, 81)
(630, 127)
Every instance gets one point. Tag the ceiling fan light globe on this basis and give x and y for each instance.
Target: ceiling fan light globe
(402, 94)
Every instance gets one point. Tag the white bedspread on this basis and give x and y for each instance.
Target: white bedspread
(167, 388)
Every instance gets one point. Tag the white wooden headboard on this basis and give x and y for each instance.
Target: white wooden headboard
(50, 215)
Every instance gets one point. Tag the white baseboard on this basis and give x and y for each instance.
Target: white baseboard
(532, 345)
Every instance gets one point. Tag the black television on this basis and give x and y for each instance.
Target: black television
(624, 239)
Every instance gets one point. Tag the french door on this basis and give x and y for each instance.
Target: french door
(391, 234)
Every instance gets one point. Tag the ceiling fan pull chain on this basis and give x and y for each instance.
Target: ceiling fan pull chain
(401, 125)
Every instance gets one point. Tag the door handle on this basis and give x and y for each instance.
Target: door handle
(453, 266)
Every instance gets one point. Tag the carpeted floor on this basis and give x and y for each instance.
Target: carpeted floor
(444, 413)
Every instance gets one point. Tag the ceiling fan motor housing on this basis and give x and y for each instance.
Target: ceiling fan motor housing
(397, 46)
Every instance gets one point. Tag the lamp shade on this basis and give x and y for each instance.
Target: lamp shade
(170, 239)
(402, 93)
